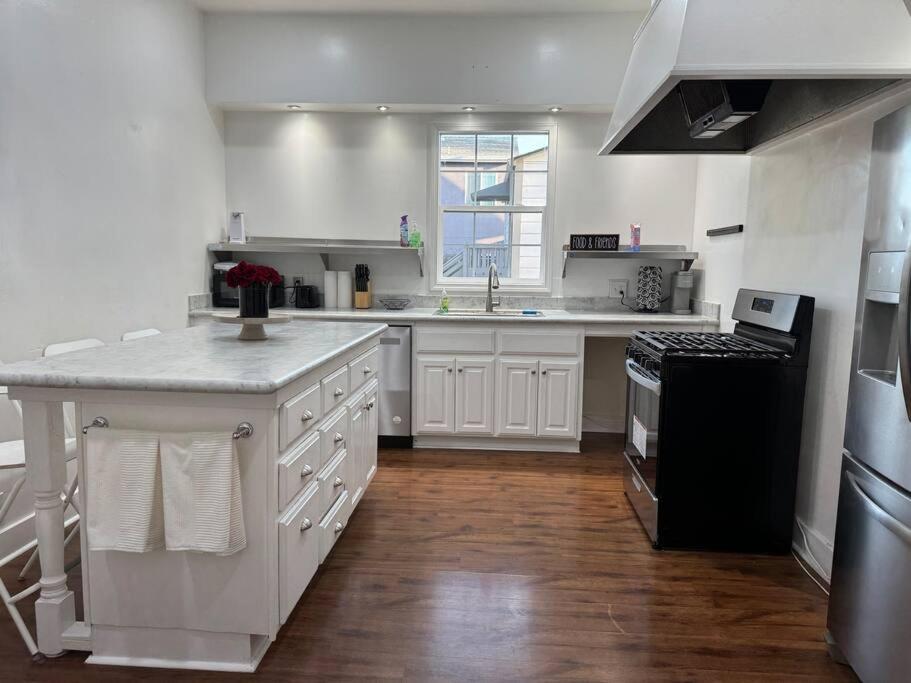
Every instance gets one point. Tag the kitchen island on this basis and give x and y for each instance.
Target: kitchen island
(301, 408)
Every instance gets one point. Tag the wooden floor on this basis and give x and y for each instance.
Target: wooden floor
(518, 566)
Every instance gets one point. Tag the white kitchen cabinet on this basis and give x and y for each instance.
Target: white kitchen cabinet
(435, 405)
(558, 390)
(474, 398)
(373, 424)
(517, 392)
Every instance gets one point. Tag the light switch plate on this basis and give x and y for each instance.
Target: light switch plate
(617, 288)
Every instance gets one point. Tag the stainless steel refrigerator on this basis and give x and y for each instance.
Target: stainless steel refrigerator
(870, 605)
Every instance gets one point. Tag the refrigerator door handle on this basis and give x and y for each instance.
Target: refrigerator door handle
(904, 331)
(883, 517)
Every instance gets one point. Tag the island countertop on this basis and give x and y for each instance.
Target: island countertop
(208, 359)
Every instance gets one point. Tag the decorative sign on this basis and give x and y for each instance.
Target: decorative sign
(594, 242)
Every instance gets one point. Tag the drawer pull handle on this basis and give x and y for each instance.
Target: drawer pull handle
(371, 405)
(308, 415)
(339, 526)
(367, 370)
(448, 369)
(543, 372)
(306, 524)
(460, 369)
(534, 372)
(339, 438)
(306, 471)
(339, 391)
(338, 482)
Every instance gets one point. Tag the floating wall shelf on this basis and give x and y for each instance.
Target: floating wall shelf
(647, 252)
(286, 245)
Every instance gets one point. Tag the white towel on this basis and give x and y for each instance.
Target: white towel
(123, 491)
(201, 485)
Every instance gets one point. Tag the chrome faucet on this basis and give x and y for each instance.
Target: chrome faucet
(493, 282)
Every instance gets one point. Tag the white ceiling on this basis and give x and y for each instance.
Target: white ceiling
(425, 6)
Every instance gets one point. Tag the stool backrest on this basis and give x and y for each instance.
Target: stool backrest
(139, 334)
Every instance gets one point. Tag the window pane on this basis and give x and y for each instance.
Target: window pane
(494, 148)
(530, 151)
(530, 189)
(457, 147)
(528, 228)
(529, 264)
(458, 188)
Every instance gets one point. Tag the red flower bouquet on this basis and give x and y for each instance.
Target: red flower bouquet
(254, 283)
(246, 274)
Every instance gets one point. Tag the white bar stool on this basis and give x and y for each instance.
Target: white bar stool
(139, 334)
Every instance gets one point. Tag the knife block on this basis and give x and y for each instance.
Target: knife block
(364, 299)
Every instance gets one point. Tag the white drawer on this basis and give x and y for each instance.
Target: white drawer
(335, 389)
(541, 342)
(299, 414)
(362, 369)
(332, 482)
(332, 525)
(333, 436)
(298, 468)
(298, 549)
(437, 340)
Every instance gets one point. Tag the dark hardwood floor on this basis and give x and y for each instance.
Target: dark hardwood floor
(517, 566)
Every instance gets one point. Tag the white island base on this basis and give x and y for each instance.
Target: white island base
(310, 393)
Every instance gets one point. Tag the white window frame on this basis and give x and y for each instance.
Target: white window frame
(435, 210)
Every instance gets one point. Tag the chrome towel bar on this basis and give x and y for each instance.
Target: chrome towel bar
(244, 429)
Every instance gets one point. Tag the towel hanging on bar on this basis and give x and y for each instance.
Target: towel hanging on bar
(203, 510)
(123, 491)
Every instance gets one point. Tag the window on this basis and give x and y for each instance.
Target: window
(492, 197)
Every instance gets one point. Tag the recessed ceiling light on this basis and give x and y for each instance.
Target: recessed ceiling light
(468, 108)
(295, 107)
(554, 110)
(382, 107)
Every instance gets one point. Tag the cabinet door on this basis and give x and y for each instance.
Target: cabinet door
(558, 398)
(372, 434)
(517, 392)
(434, 400)
(474, 396)
(356, 474)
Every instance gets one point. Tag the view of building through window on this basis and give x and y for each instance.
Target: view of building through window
(493, 195)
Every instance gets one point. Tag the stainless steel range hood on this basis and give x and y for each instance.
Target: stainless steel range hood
(810, 60)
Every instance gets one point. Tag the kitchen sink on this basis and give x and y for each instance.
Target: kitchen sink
(496, 313)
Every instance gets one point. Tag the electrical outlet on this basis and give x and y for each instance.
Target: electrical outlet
(617, 289)
(297, 280)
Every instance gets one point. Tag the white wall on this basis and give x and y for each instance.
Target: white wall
(513, 60)
(352, 175)
(722, 188)
(804, 222)
(111, 170)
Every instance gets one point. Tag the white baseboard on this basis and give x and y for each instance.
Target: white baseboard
(813, 548)
(498, 443)
(604, 424)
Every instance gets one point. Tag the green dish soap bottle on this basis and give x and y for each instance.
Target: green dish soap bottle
(444, 302)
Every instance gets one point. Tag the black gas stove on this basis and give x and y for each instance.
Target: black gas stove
(713, 427)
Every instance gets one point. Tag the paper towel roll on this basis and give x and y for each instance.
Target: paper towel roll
(330, 289)
(345, 289)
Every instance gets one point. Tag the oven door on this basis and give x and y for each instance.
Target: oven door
(643, 399)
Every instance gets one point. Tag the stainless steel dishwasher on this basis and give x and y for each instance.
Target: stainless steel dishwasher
(395, 387)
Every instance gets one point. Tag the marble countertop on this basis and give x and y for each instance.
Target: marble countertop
(207, 358)
(431, 315)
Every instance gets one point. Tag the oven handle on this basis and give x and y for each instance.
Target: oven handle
(635, 374)
(883, 517)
